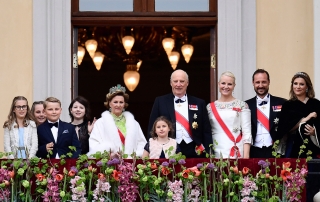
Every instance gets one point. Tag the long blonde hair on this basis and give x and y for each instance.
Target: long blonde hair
(12, 116)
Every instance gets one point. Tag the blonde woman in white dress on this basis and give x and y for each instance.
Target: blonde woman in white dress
(230, 121)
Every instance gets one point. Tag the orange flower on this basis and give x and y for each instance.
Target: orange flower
(245, 170)
(235, 169)
(116, 175)
(285, 174)
(195, 170)
(40, 177)
(165, 170)
(59, 177)
(11, 174)
(267, 175)
(185, 173)
(100, 176)
(90, 168)
(286, 165)
(71, 173)
(153, 166)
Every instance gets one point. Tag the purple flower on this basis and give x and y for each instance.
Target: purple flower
(73, 168)
(116, 161)
(99, 163)
(172, 161)
(181, 161)
(199, 165)
(165, 164)
(263, 163)
(85, 165)
(211, 166)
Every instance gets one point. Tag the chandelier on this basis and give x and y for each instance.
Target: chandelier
(132, 45)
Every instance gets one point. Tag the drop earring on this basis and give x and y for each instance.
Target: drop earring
(110, 109)
(306, 90)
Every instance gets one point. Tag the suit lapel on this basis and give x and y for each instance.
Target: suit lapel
(170, 107)
(272, 114)
(191, 112)
(48, 131)
(254, 112)
(60, 130)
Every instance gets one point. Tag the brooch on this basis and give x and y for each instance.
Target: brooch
(194, 125)
(195, 116)
(237, 109)
(276, 120)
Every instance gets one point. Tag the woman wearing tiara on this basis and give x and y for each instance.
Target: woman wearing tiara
(117, 130)
(230, 120)
(299, 117)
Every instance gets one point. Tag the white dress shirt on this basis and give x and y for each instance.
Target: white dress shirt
(182, 108)
(54, 131)
(263, 137)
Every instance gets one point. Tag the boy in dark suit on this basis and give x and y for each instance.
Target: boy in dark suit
(56, 135)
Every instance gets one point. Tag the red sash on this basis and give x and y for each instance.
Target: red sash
(122, 138)
(234, 149)
(184, 122)
(263, 120)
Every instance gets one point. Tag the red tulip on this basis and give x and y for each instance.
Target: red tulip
(59, 177)
(40, 177)
(116, 174)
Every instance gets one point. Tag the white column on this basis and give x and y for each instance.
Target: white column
(52, 51)
(316, 38)
(237, 43)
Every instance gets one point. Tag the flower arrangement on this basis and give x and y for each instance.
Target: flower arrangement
(110, 178)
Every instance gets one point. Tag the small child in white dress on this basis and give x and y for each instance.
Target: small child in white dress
(160, 143)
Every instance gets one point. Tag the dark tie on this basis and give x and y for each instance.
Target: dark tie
(53, 124)
(179, 101)
(263, 103)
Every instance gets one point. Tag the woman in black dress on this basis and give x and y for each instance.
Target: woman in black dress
(79, 111)
(299, 117)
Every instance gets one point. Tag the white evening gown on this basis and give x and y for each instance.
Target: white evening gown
(237, 117)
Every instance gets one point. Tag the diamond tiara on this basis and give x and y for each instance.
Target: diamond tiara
(300, 73)
(117, 88)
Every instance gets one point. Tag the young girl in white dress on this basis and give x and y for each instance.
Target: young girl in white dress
(230, 121)
(158, 146)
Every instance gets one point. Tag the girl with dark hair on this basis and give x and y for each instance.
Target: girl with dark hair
(20, 131)
(299, 117)
(79, 111)
(161, 141)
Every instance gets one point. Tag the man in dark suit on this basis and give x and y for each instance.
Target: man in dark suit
(188, 115)
(265, 112)
(56, 135)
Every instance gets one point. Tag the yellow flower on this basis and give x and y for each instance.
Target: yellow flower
(194, 125)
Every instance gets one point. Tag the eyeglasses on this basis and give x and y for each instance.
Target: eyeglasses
(23, 107)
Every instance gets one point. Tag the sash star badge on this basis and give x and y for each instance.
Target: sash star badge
(195, 116)
(276, 120)
(194, 125)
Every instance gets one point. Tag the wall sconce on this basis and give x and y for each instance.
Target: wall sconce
(91, 46)
(168, 44)
(81, 52)
(174, 59)
(131, 77)
(98, 59)
(187, 51)
(128, 42)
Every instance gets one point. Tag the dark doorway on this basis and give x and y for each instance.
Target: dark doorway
(155, 74)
